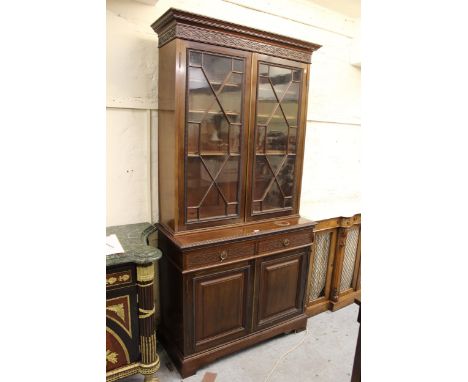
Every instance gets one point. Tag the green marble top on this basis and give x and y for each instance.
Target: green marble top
(133, 238)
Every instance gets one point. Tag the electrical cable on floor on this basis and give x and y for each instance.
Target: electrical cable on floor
(284, 355)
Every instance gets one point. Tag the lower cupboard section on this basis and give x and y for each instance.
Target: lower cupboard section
(219, 309)
(334, 278)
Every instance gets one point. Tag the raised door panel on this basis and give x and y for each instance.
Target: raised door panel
(221, 305)
(121, 327)
(278, 126)
(281, 285)
(215, 134)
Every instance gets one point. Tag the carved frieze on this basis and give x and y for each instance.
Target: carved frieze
(214, 37)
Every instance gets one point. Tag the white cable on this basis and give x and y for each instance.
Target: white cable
(284, 355)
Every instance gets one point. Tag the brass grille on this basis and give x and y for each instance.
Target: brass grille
(349, 258)
(319, 265)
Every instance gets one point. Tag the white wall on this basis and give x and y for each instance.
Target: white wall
(332, 158)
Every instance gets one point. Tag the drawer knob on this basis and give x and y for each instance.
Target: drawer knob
(285, 242)
(223, 255)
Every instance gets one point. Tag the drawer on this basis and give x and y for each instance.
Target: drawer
(286, 241)
(218, 255)
(121, 276)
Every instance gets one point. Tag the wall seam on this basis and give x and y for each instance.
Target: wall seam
(289, 19)
(148, 167)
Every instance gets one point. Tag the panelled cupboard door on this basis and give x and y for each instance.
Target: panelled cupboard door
(222, 304)
(280, 287)
(121, 327)
(215, 134)
(278, 119)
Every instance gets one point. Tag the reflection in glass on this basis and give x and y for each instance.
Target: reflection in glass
(217, 68)
(292, 140)
(266, 100)
(286, 176)
(195, 58)
(238, 65)
(277, 136)
(263, 70)
(273, 199)
(263, 177)
(260, 139)
(198, 181)
(290, 103)
(228, 179)
(234, 139)
(193, 131)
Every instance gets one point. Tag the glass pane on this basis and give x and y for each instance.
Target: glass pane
(286, 176)
(234, 139)
(263, 177)
(281, 79)
(238, 65)
(230, 97)
(292, 140)
(273, 199)
(198, 181)
(213, 135)
(266, 100)
(192, 138)
(297, 75)
(192, 214)
(263, 70)
(214, 163)
(213, 205)
(229, 178)
(290, 103)
(276, 161)
(232, 209)
(277, 133)
(217, 68)
(200, 96)
(256, 207)
(260, 139)
(195, 58)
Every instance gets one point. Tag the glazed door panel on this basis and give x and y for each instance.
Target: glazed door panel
(280, 287)
(278, 125)
(215, 131)
(222, 304)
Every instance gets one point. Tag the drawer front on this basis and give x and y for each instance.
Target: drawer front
(219, 255)
(120, 276)
(286, 241)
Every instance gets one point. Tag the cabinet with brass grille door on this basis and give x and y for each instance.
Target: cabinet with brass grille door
(334, 279)
(232, 117)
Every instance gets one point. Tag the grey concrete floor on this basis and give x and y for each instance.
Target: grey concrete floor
(323, 353)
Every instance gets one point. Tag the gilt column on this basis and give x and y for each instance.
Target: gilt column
(149, 363)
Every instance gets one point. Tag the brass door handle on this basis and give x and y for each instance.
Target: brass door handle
(223, 255)
(285, 242)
